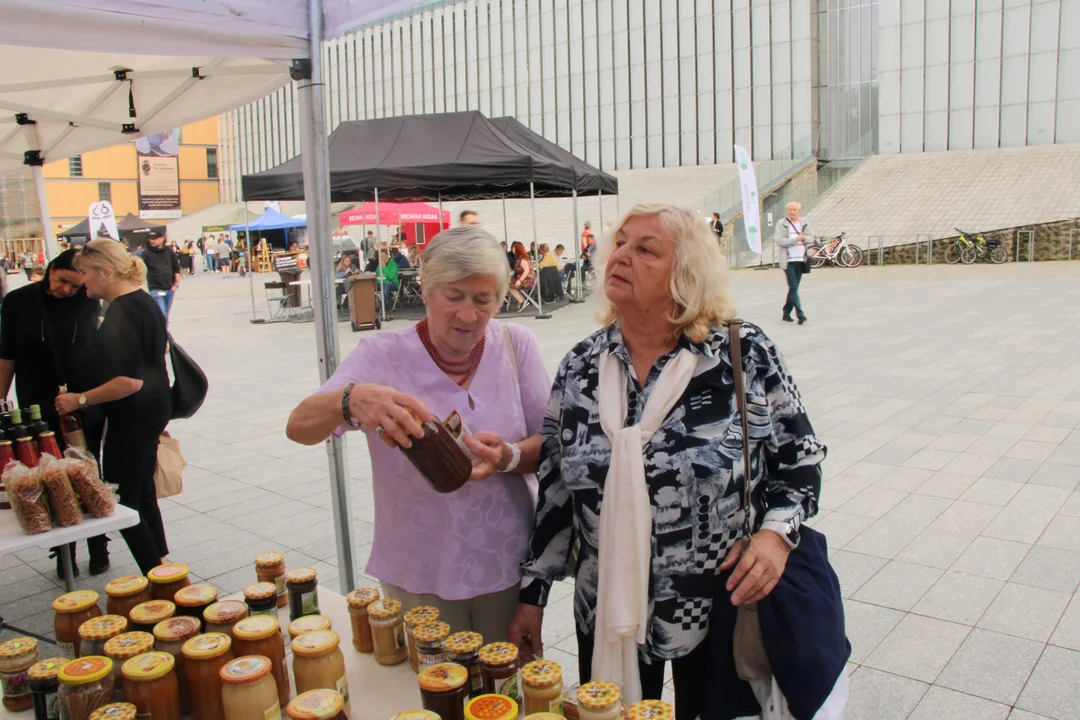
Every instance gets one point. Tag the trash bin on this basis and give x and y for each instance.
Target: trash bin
(361, 292)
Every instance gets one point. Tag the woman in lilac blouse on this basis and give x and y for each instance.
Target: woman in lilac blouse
(461, 552)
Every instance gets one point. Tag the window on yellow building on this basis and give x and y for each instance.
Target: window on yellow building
(104, 191)
(75, 166)
(211, 163)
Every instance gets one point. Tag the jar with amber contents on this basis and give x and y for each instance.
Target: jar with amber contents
(318, 663)
(204, 656)
(416, 715)
(144, 617)
(122, 648)
(599, 700)
(249, 691)
(221, 616)
(169, 637)
(150, 685)
(165, 580)
(317, 705)
(430, 647)
(308, 623)
(261, 635)
(45, 687)
(542, 686)
(270, 567)
(125, 593)
(16, 657)
(95, 632)
(491, 707)
(302, 586)
(261, 599)
(423, 615)
(444, 688)
(463, 648)
(652, 710)
(72, 610)
(387, 632)
(358, 601)
(544, 716)
(193, 600)
(85, 685)
(114, 711)
(499, 670)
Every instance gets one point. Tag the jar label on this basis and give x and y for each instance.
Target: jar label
(4, 496)
(52, 706)
(476, 680)
(272, 612)
(555, 705)
(342, 687)
(508, 687)
(399, 637)
(309, 602)
(272, 713)
(279, 585)
(16, 684)
(143, 716)
(66, 650)
(426, 659)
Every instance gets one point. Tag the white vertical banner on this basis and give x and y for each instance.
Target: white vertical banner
(751, 212)
(101, 214)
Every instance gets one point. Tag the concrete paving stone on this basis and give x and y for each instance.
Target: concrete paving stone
(877, 695)
(942, 704)
(904, 479)
(918, 510)
(959, 598)
(1047, 434)
(872, 502)
(1067, 633)
(1071, 508)
(1062, 532)
(258, 474)
(1056, 475)
(1049, 568)
(1018, 714)
(992, 558)
(1024, 611)
(991, 665)
(1022, 519)
(1054, 687)
(918, 647)
(936, 548)
(884, 538)
(992, 491)
(841, 528)
(892, 454)
(944, 485)
(898, 585)
(1032, 450)
(853, 569)
(1014, 469)
(837, 490)
(954, 441)
(1066, 454)
(930, 459)
(965, 517)
(867, 625)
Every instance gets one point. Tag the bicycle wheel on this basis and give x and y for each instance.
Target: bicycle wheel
(998, 255)
(815, 255)
(851, 256)
(967, 256)
(953, 253)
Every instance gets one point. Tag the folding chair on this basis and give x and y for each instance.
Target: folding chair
(279, 301)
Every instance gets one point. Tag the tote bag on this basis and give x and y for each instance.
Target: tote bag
(169, 475)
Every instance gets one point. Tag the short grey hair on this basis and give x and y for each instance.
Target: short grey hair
(464, 251)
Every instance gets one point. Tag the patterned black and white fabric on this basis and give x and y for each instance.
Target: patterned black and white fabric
(694, 470)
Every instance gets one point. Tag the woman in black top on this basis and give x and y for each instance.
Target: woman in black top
(134, 396)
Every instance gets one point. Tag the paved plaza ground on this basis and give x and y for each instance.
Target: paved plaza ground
(949, 398)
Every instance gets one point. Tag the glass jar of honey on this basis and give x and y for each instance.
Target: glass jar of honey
(652, 710)
(169, 637)
(72, 610)
(261, 635)
(221, 616)
(318, 663)
(499, 669)
(125, 593)
(95, 632)
(416, 715)
(261, 599)
(423, 615)
(358, 601)
(165, 580)
(387, 632)
(430, 644)
(16, 658)
(270, 567)
(491, 707)
(145, 616)
(317, 705)
(150, 685)
(599, 700)
(122, 648)
(463, 648)
(204, 656)
(45, 687)
(542, 686)
(444, 688)
(248, 690)
(193, 600)
(302, 586)
(85, 685)
(114, 711)
(308, 623)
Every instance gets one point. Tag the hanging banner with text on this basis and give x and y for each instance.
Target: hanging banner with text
(159, 175)
(751, 212)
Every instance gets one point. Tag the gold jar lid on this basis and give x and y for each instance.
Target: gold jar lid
(315, 705)
(176, 629)
(301, 575)
(196, 595)
(114, 711)
(544, 716)
(127, 586)
(423, 615)
(416, 715)
(443, 677)
(164, 574)
(148, 666)
(269, 559)
(541, 673)
(226, 612)
(309, 623)
(652, 710)
(103, 627)
(244, 670)
(75, 601)
(152, 612)
(499, 653)
(385, 608)
(315, 643)
(260, 591)
(209, 645)
(362, 597)
(491, 707)
(17, 647)
(129, 644)
(432, 633)
(47, 669)
(85, 670)
(256, 627)
(598, 695)
(463, 643)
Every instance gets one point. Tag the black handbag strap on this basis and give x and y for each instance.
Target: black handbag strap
(735, 349)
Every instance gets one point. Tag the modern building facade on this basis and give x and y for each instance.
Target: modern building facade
(629, 84)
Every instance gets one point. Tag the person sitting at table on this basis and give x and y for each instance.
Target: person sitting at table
(398, 257)
(343, 270)
(461, 551)
(524, 275)
(387, 272)
(414, 257)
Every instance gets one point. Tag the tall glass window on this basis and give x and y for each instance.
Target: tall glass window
(846, 84)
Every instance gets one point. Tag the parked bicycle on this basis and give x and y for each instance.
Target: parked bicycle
(969, 247)
(835, 251)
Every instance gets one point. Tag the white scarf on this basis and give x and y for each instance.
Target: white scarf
(622, 598)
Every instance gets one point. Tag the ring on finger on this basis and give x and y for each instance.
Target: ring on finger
(380, 430)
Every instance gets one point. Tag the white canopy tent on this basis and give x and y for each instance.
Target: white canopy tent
(86, 74)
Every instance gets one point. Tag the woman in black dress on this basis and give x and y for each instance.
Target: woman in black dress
(133, 393)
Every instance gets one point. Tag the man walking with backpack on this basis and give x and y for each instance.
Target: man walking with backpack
(791, 235)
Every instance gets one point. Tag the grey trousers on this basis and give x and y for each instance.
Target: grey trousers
(486, 614)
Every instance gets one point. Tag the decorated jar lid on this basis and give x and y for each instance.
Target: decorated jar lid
(309, 623)
(152, 612)
(443, 677)
(431, 633)
(18, 647)
(164, 574)
(176, 629)
(315, 705)
(491, 707)
(315, 643)
(541, 673)
(226, 612)
(75, 601)
(423, 615)
(652, 710)
(598, 695)
(416, 715)
(464, 643)
(195, 595)
(301, 575)
(206, 646)
(83, 671)
(148, 666)
(256, 627)
(245, 670)
(125, 587)
(269, 559)
(114, 711)
(499, 653)
(129, 644)
(260, 591)
(544, 716)
(47, 669)
(103, 627)
(362, 597)
(385, 608)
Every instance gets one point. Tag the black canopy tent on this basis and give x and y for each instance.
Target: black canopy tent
(586, 177)
(134, 231)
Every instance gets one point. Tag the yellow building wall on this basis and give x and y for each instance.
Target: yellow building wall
(204, 132)
(195, 196)
(192, 163)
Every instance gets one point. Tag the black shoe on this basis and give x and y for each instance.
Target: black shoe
(99, 557)
(802, 319)
(787, 318)
(55, 553)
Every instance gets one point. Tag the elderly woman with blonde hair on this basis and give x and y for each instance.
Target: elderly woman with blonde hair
(461, 551)
(642, 461)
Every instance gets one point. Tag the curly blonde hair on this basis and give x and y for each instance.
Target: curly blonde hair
(698, 283)
(111, 258)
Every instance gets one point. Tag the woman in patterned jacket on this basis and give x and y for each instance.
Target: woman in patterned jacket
(641, 465)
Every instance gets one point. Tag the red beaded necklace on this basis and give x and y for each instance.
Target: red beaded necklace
(464, 369)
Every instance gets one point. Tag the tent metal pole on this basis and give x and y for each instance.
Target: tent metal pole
(378, 256)
(577, 255)
(440, 213)
(363, 216)
(316, 163)
(618, 210)
(46, 219)
(600, 195)
(251, 275)
(536, 260)
(506, 230)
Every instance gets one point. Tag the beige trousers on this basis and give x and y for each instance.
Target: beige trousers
(486, 614)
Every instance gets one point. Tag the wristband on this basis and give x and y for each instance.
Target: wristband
(345, 413)
(515, 458)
